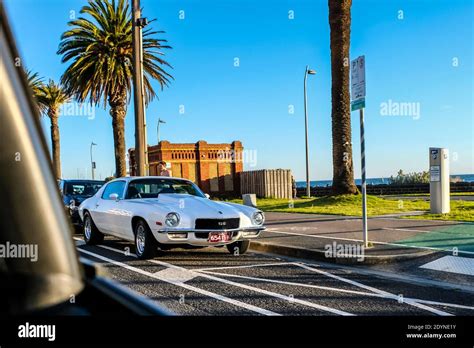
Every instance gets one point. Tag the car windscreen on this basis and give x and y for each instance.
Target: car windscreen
(151, 188)
(72, 188)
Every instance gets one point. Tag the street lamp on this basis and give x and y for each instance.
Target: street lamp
(158, 129)
(307, 72)
(92, 162)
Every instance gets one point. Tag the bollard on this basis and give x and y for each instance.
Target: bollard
(250, 199)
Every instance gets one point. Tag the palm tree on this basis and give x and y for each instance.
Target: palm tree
(36, 83)
(343, 170)
(100, 50)
(50, 97)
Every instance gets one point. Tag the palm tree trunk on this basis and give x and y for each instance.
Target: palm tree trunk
(53, 115)
(340, 24)
(118, 111)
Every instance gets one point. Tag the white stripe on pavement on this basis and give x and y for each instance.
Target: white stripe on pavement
(182, 285)
(405, 230)
(370, 294)
(378, 291)
(242, 286)
(244, 266)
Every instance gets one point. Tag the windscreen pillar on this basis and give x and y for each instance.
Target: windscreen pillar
(439, 181)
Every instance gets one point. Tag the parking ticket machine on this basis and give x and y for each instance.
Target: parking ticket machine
(439, 181)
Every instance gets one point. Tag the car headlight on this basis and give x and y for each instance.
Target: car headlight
(172, 220)
(258, 218)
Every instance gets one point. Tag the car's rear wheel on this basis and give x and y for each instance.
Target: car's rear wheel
(92, 235)
(239, 247)
(146, 246)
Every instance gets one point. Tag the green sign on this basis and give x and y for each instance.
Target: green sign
(358, 104)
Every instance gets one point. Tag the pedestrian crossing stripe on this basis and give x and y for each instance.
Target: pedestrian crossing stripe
(452, 264)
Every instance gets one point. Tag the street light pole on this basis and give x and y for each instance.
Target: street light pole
(158, 129)
(140, 152)
(307, 72)
(92, 162)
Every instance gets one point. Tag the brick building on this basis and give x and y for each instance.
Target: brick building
(214, 168)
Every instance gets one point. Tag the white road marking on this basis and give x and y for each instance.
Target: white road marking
(244, 266)
(294, 284)
(378, 291)
(375, 292)
(405, 230)
(183, 285)
(242, 286)
(370, 294)
(175, 275)
(265, 292)
(372, 241)
(452, 264)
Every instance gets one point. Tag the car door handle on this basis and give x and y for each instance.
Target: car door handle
(96, 205)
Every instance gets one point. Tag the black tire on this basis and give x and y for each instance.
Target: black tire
(92, 235)
(148, 247)
(239, 247)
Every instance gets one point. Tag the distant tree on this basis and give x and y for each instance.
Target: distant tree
(35, 82)
(109, 178)
(50, 97)
(410, 178)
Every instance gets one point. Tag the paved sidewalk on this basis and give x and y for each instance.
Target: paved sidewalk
(336, 238)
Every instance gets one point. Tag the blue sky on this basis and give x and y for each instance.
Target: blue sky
(417, 51)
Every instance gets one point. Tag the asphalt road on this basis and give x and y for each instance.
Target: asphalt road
(213, 282)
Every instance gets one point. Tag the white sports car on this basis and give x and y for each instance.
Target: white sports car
(159, 213)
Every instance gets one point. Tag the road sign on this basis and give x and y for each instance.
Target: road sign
(358, 104)
(358, 78)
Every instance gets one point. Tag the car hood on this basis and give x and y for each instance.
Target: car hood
(193, 205)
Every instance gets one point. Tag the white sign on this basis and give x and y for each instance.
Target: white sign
(435, 173)
(358, 78)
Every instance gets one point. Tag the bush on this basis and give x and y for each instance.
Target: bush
(410, 178)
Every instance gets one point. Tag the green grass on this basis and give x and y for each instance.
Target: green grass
(460, 211)
(351, 205)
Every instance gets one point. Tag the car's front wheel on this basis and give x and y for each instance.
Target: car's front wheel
(92, 235)
(146, 246)
(239, 247)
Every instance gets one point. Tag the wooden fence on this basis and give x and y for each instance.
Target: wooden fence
(266, 183)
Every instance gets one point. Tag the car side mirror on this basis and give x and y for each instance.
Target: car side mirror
(114, 197)
(207, 195)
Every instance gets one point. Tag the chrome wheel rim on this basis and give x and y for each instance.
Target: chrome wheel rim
(87, 228)
(140, 239)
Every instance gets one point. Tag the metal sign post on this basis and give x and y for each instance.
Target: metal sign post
(358, 103)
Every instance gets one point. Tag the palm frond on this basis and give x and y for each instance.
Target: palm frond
(98, 46)
(51, 96)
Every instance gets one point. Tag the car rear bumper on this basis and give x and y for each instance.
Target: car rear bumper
(200, 237)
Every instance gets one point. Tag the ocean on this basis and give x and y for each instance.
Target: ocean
(377, 181)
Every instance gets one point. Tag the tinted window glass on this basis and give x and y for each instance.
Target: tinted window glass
(151, 188)
(81, 188)
(114, 187)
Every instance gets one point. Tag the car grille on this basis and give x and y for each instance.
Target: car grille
(217, 224)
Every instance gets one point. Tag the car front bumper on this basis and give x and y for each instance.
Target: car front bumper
(200, 237)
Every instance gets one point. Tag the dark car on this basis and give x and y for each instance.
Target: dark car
(74, 192)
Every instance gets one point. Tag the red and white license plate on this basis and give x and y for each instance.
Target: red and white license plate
(216, 237)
